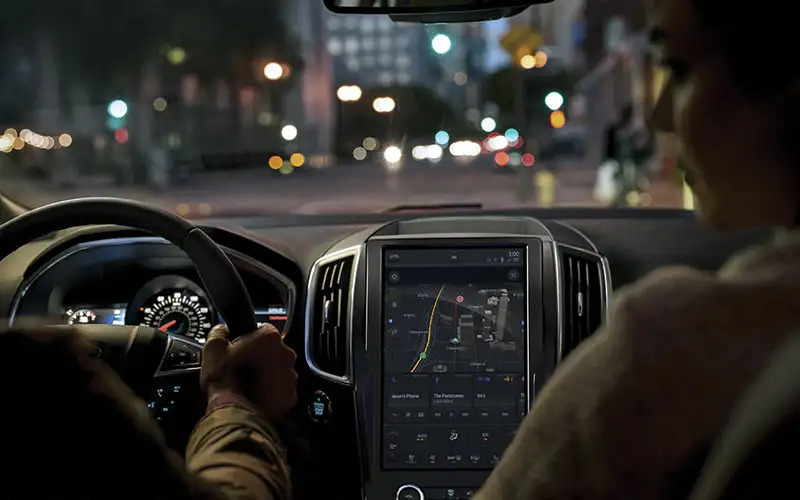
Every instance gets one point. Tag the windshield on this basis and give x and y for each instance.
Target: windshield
(254, 107)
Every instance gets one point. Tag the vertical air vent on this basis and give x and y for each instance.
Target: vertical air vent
(328, 324)
(583, 300)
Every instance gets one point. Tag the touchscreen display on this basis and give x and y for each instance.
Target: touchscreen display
(454, 355)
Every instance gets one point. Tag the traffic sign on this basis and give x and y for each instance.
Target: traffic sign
(521, 38)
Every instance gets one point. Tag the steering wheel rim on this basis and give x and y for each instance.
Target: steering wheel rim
(225, 287)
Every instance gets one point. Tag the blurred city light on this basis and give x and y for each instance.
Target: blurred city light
(465, 148)
(348, 93)
(557, 119)
(275, 162)
(427, 152)
(512, 135)
(6, 143)
(117, 108)
(359, 153)
(297, 160)
(442, 138)
(541, 59)
(121, 135)
(488, 124)
(497, 143)
(528, 160)
(383, 104)
(176, 56)
(502, 158)
(441, 44)
(393, 154)
(273, 71)
(554, 101)
(460, 78)
(160, 104)
(527, 61)
(370, 143)
(289, 132)
(65, 140)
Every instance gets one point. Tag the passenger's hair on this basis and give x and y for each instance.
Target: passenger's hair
(759, 41)
(70, 428)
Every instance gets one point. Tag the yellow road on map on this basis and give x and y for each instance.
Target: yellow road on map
(424, 352)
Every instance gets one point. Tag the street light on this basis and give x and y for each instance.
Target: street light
(527, 61)
(558, 119)
(349, 93)
(488, 124)
(289, 132)
(273, 71)
(393, 154)
(554, 101)
(117, 108)
(383, 104)
(441, 44)
(541, 58)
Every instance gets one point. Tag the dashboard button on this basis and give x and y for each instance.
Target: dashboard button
(319, 408)
(409, 492)
(181, 355)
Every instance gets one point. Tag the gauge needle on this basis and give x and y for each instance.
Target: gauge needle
(165, 327)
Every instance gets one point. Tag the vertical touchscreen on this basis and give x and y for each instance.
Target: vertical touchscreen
(454, 355)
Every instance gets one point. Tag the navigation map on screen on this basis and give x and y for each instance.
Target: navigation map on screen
(454, 355)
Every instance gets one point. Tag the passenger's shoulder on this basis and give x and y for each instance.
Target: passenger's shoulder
(665, 290)
(667, 302)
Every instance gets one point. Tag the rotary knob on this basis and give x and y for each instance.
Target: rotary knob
(409, 492)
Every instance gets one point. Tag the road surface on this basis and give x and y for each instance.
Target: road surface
(337, 189)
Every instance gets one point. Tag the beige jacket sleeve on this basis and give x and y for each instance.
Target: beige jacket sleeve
(638, 402)
(237, 450)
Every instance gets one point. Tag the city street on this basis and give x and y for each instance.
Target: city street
(360, 187)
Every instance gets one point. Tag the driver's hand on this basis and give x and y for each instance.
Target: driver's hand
(257, 367)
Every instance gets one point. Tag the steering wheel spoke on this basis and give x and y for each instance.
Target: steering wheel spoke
(181, 356)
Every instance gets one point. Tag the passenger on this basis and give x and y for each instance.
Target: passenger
(73, 429)
(632, 412)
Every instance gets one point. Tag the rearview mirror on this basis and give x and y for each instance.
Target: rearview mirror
(428, 10)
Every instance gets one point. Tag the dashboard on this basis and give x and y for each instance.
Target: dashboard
(423, 340)
(142, 281)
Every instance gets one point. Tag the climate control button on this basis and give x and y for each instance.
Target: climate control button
(409, 492)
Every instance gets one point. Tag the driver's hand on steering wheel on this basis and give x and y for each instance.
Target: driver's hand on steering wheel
(256, 369)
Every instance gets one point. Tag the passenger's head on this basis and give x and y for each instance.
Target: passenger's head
(733, 99)
(70, 428)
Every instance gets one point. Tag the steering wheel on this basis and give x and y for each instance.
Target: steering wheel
(139, 353)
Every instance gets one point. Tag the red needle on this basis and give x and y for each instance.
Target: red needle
(165, 327)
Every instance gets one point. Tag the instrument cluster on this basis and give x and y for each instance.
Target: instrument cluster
(171, 303)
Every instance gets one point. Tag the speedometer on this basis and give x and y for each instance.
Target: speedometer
(178, 312)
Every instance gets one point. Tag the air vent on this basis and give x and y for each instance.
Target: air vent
(583, 301)
(327, 344)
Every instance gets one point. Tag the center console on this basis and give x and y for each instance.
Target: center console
(455, 333)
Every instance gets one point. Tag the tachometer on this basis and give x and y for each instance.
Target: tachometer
(80, 316)
(179, 312)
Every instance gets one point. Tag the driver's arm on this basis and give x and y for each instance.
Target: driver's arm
(239, 451)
